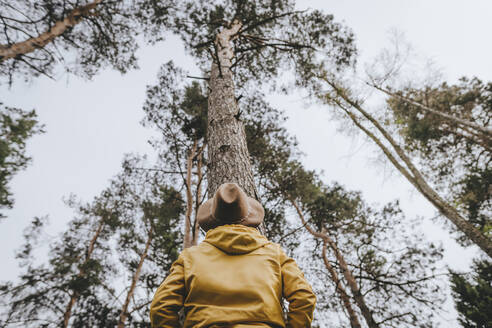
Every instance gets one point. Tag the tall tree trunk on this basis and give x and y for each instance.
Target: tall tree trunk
(412, 174)
(457, 120)
(354, 320)
(136, 276)
(228, 156)
(75, 295)
(189, 197)
(352, 283)
(73, 18)
(198, 197)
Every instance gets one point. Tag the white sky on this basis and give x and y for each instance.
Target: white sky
(91, 124)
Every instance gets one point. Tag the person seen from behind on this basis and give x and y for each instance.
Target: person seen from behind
(235, 278)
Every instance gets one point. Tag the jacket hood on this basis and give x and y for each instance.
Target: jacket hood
(235, 239)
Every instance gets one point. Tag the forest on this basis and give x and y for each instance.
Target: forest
(119, 118)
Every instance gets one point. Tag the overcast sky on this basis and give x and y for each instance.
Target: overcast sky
(91, 124)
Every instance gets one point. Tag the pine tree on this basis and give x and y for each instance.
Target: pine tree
(248, 41)
(82, 36)
(457, 156)
(129, 231)
(77, 263)
(375, 128)
(148, 240)
(358, 243)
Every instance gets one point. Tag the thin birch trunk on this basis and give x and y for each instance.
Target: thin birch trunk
(414, 176)
(460, 121)
(352, 283)
(73, 18)
(189, 197)
(75, 295)
(136, 276)
(198, 198)
(354, 320)
(228, 156)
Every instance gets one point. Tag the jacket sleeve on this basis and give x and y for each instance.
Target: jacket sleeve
(169, 297)
(297, 291)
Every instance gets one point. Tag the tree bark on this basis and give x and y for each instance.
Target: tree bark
(73, 18)
(228, 156)
(187, 239)
(460, 121)
(75, 295)
(354, 320)
(136, 276)
(413, 175)
(352, 283)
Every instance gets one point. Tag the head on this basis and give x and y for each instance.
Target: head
(230, 205)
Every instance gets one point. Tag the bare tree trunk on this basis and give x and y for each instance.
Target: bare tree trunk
(198, 198)
(413, 175)
(352, 283)
(75, 295)
(228, 156)
(73, 18)
(457, 120)
(354, 320)
(189, 197)
(136, 276)
(68, 309)
(359, 299)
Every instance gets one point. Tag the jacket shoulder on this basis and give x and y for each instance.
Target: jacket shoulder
(197, 250)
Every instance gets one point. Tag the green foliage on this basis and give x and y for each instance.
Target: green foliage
(104, 36)
(332, 203)
(16, 127)
(195, 105)
(473, 295)
(274, 37)
(454, 157)
(179, 112)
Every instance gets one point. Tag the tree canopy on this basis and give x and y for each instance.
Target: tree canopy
(457, 158)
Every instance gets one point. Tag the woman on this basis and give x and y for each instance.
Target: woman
(235, 277)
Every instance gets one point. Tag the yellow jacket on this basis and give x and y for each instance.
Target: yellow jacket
(235, 278)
